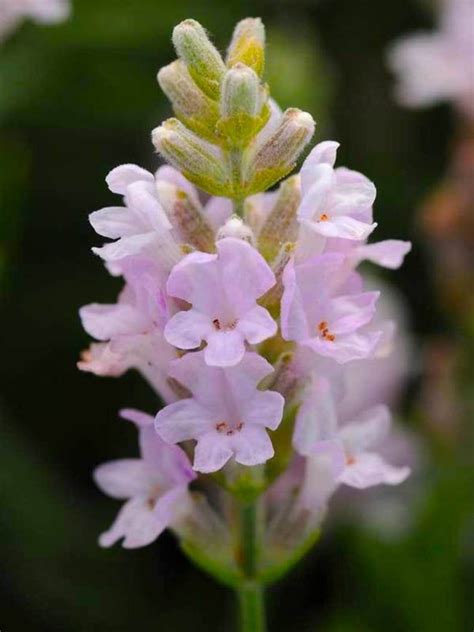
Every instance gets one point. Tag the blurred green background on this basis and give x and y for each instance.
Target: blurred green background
(80, 98)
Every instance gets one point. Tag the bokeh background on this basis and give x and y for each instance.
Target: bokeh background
(80, 98)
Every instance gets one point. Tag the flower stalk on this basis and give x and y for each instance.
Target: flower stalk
(251, 607)
(250, 589)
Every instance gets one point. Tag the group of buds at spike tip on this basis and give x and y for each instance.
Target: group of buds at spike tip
(245, 313)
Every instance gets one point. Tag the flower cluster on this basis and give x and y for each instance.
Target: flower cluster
(245, 313)
(439, 66)
(12, 12)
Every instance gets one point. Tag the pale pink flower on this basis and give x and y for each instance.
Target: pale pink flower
(222, 289)
(438, 66)
(389, 253)
(131, 331)
(351, 448)
(335, 202)
(155, 487)
(322, 311)
(227, 415)
(141, 227)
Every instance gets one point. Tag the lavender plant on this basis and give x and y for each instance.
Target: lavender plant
(246, 315)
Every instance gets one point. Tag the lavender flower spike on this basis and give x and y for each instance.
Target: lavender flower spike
(248, 317)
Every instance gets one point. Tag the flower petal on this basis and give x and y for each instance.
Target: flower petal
(323, 153)
(115, 222)
(344, 227)
(389, 253)
(264, 409)
(316, 198)
(186, 330)
(182, 421)
(212, 452)
(123, 478)
(367, 430)
(137, 523)
(349, 313)
(173, 176)
(245, 274)
(108, 321)
(316, 420)
(224, 348)
(346, 348)
(371, 469)
(257, 325)
(121, 177)
(217, 211)
(252, 446)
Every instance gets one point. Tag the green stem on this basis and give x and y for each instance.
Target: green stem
(250, 521)
(250, 590)
(252, 607)
(238, 207)
(235, 166)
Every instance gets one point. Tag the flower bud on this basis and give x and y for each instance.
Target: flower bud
(285, 378)
(280, 225)
(240, 92)
(204, 62)
(185, 216)
(236, 227)
(248, 45)
(190, 104)
(274, 294)
(277, 156)
(242, 101)
(195, 158)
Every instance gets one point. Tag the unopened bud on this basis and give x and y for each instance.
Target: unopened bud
(268, 163)
(242, 106)
(248, 45)
(190, 104)
(186, 217)
(203, 60)
(190, 154)
(280, 225)
(285, 379)
(178, 389)
(236, 227)
(240, 92)
(274, 294)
